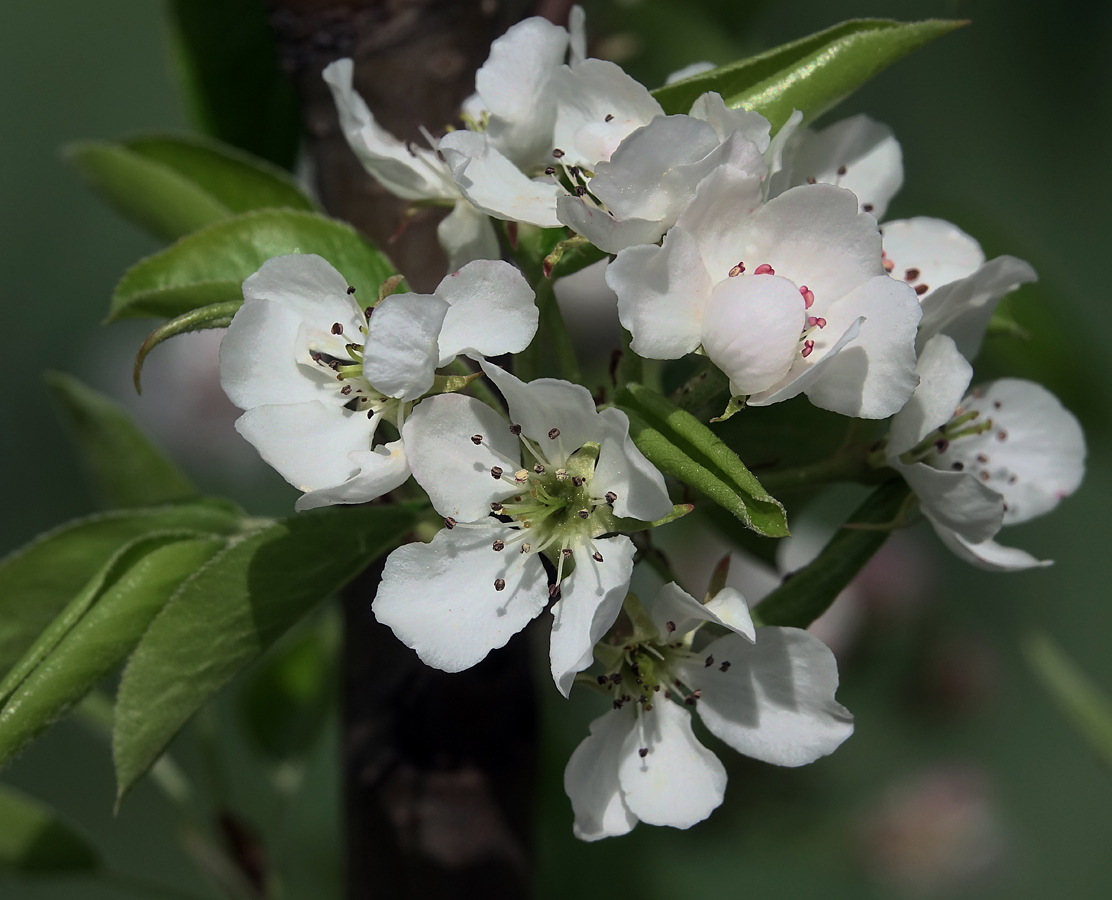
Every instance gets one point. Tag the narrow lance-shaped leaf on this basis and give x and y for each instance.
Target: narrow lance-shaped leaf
(811, 74)
(99, 642)
(126, 467)
(35, 841)
(807, 593)
(209, 266)
(215, 315)
(683, 447)
(39, 579)
(230, 611)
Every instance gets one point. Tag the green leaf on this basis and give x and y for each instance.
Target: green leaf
(215, 315)
(681, 446)
(34, 841)
(38, 580)
(230, 611)
(209, 266)
(233, 84)
(1085, 705)
(811, 74)
(100, 640)
(172, 185)
(126, 467)
(807, 593)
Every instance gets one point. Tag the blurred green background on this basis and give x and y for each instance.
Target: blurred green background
(962, 779)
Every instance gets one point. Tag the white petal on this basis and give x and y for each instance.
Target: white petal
(943, 378)
(956, 500)
(662, 292)
(858, 154)
(805, 373)
(590, 600)
(679, 781)
(310, 444)
(491, 311)
(453, 470)
(586, 95)
(380, 470)
(873, 378)
(591, 778)
(1033, 456)
(495, 185)
(400, 352)
(623, 469)
(962, 309)
(602, 229)
(988, 554)
(674, 607)
(754, 127)
(440, 598)
(776, 700)
(718, 218)
(751, 329)
(467, 234)
(932, 251)
(774, 155)
(308, 285)
(690, 71)
(404, 169)
(548, 403)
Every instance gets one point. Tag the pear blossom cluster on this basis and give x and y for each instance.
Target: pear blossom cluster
(763, 250)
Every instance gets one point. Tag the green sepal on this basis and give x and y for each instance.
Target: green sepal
(736, 405)
(679, 510)
(683, 447)
(215, 315)
(449, 384)
(811, 74)
(35, 841)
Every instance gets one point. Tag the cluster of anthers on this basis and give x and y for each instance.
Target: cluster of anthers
(550, 508)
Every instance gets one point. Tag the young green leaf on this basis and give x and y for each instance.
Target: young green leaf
(39, 579)
(681, 446)
(96, 644)
(126, 467)
(811, 74)
(209, 266)
(230, 611)
(215, 315)
(35, 841)
(807, 594)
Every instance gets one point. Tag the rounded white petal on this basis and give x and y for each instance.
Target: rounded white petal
(623, 469)
(602, 229)
(492, 310)
(875, 376)
(662, 292)
(988, 555)
(751, 329)
(495, 185)
(591, 778)
(308, 285)
(754, 127)
(1034, 454)
(956, 500)
(590, 600)
(719, 218)
(453, 470)
(776, 700)
(310, 444)
(404, 169)
(400, 352)
(805, 372)
(380, 470)
(679, 781)
(467, 234)
(440, 598)
(675, 612)
(930, 252)
(943, 378)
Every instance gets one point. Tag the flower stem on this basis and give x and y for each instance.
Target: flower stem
(848, 465)
(554, 331)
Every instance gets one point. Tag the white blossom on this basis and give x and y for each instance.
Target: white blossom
(317, 369)
(551, 483)
(1002, 454)
(767, 692)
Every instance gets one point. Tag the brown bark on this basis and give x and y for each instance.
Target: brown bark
(439, 770)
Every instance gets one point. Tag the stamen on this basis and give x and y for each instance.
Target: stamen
(888, 265)
(337, 328)
(921, 289)
(609, 117)
(709, 662)
(351, 289)
(1001, 435)
(449, 523)
(553, 433)
(495, 472)
(558, 153)
(737, 270)
(811, 179)
(816, 322)
(539, 469)
(499, 545)
(670, 626)
(476, 439)
(499, 584)
(725, 667)
(584, 514)
(515, 430)
(808, 297)
(764, 269)
(912, 274)
(841, 170)
(808, 349)
(611, 497)
(867, 207)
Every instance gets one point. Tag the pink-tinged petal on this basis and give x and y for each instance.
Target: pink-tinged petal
(623, 470)
(590, 600)
(380, 470)
(455, 471)
(591, 778)
(988, 555)
(773, 699)
(943, 378)
(662, 292)
(400, 352)
(678, 782)
(602, 229)
(751, 329)
(675, 612)
(492, 310)
(441, 598)
(467, 234)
